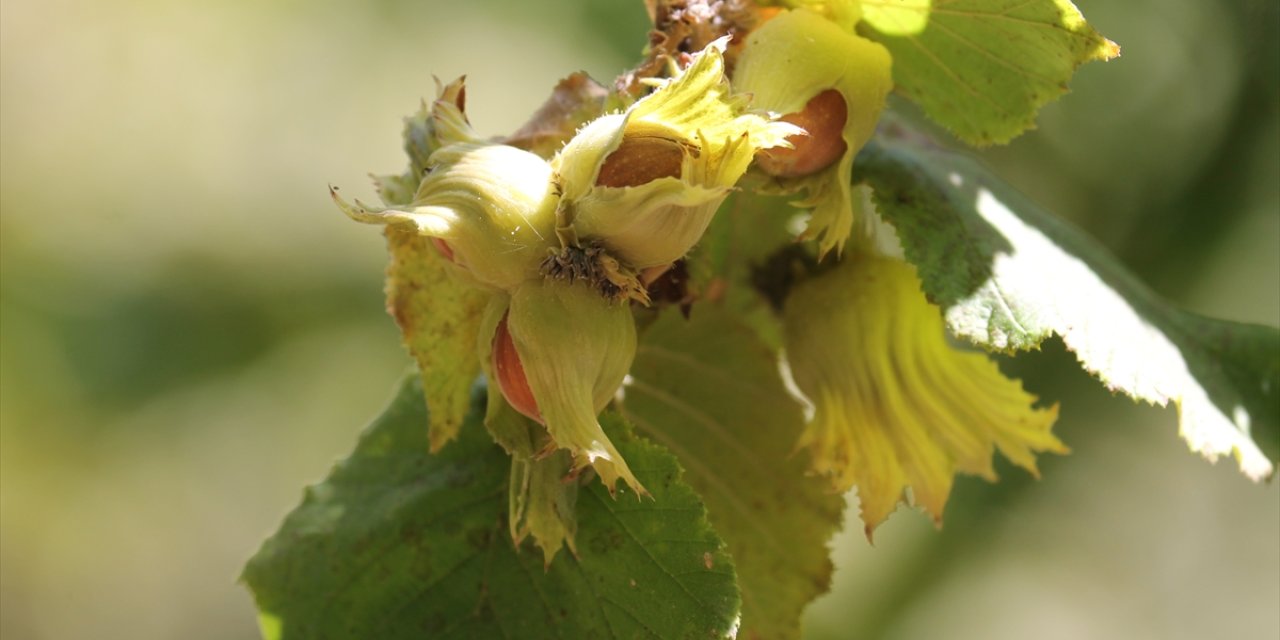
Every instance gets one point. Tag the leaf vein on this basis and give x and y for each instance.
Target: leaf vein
(641, 544)
(714, 483)
(987, 53)
(392, 543)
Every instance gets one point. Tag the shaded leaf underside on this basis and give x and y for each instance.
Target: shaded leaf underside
(708, 390)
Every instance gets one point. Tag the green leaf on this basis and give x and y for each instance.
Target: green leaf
(1010, 275)
(397, 543)
(983, 68)
(709, 391)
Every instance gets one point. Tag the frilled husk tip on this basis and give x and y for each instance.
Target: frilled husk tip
(896, 406)
(542, 496)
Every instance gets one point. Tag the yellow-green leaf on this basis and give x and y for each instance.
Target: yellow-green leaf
(438, 314)
(983, 68)
(439, 317)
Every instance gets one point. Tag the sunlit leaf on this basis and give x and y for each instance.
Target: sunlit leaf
(398, 543)
(1010, 275)
(983, 68)
(709, 391)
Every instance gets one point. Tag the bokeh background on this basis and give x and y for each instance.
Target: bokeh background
(191, 331)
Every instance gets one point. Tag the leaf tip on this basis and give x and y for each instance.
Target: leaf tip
(1109, 50)
(437, 441)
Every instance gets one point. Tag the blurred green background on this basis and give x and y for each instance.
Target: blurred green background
(192, 332)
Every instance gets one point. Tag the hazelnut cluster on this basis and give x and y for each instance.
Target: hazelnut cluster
(562, 245)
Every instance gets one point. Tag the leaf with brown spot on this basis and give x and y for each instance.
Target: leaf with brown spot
(439, 318)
